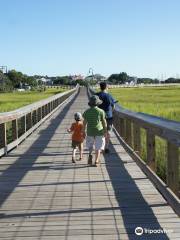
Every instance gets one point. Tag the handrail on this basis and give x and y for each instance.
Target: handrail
(128, 125)
(25, 120)
(160, 126)
(6, 116)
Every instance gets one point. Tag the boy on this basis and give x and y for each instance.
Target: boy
(108, 105)
(94, 119)
(77, 136)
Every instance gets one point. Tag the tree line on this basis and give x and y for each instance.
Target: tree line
(14, 79)
(123, 78)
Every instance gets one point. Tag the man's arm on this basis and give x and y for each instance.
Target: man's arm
(112, 102)
(104, 123)
(84, 127)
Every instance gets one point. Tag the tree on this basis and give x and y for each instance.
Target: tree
(120, 78)
(5, 83)
(145, 80)
(64, 80)
(123, 77)
(172, 80)
(15, 77)
(19, 79)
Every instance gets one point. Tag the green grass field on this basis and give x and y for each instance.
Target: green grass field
(12, 101)
(159, 101)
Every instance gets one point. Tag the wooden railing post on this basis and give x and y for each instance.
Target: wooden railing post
(28, 121)
(3, 137)
(14, 130)
(173, 167)
(116, 122)
(49, 107)
(39, 114)
(122, 128)
(43, 111)
(46, 109)
(23, 124)
(150, 144)
(137, 138)
(128, 136)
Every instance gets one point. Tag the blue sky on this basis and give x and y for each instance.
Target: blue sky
(59, 37)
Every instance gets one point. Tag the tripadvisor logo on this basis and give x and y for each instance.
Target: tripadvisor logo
(139, 231)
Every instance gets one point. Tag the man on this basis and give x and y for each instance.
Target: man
(95, 121)
(108, 105)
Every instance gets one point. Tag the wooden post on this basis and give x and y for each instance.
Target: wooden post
(43, 111)
(115, 121)
(14, 130)
(29, 120)
(3, 137)
(49, 107)
(46, 109)
(23, 124)
(128, 137)
(33, 117)
(39, 114)
(122, 128)
(173, 167)
(150, 144)
(137, 139)
(36, 111)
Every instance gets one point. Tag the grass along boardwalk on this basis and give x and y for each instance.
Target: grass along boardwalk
(45, 196)
(15, 100)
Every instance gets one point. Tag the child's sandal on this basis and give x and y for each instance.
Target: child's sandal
(73, 161)
(90, 159)
(97, 164)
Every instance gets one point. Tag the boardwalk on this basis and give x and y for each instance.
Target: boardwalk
(44, 196)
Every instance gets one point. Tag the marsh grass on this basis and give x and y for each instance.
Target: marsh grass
(15, 100)
(160, 101)
(12, 101)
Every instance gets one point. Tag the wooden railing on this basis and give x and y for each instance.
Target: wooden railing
(16, 125)
(128, 125)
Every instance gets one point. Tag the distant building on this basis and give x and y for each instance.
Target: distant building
(45, 81)
(97, 77)
(132, 80)
(77, 77)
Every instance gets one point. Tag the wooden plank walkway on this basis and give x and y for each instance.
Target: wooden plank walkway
(44, 196)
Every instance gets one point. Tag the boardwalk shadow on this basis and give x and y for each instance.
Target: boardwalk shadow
(12, 176)
(135, 210)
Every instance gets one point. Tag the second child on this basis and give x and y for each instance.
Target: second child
(77, 136)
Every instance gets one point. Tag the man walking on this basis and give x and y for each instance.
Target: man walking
(108, 105)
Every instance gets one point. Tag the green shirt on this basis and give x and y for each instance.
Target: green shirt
(94, 117)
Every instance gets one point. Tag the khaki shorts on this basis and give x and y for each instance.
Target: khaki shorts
(98, 142)
(76, 144)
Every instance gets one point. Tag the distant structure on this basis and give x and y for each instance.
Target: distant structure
(3, 69)
(77, 77)
(45, 81)
(96, 77)
(132, 81)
